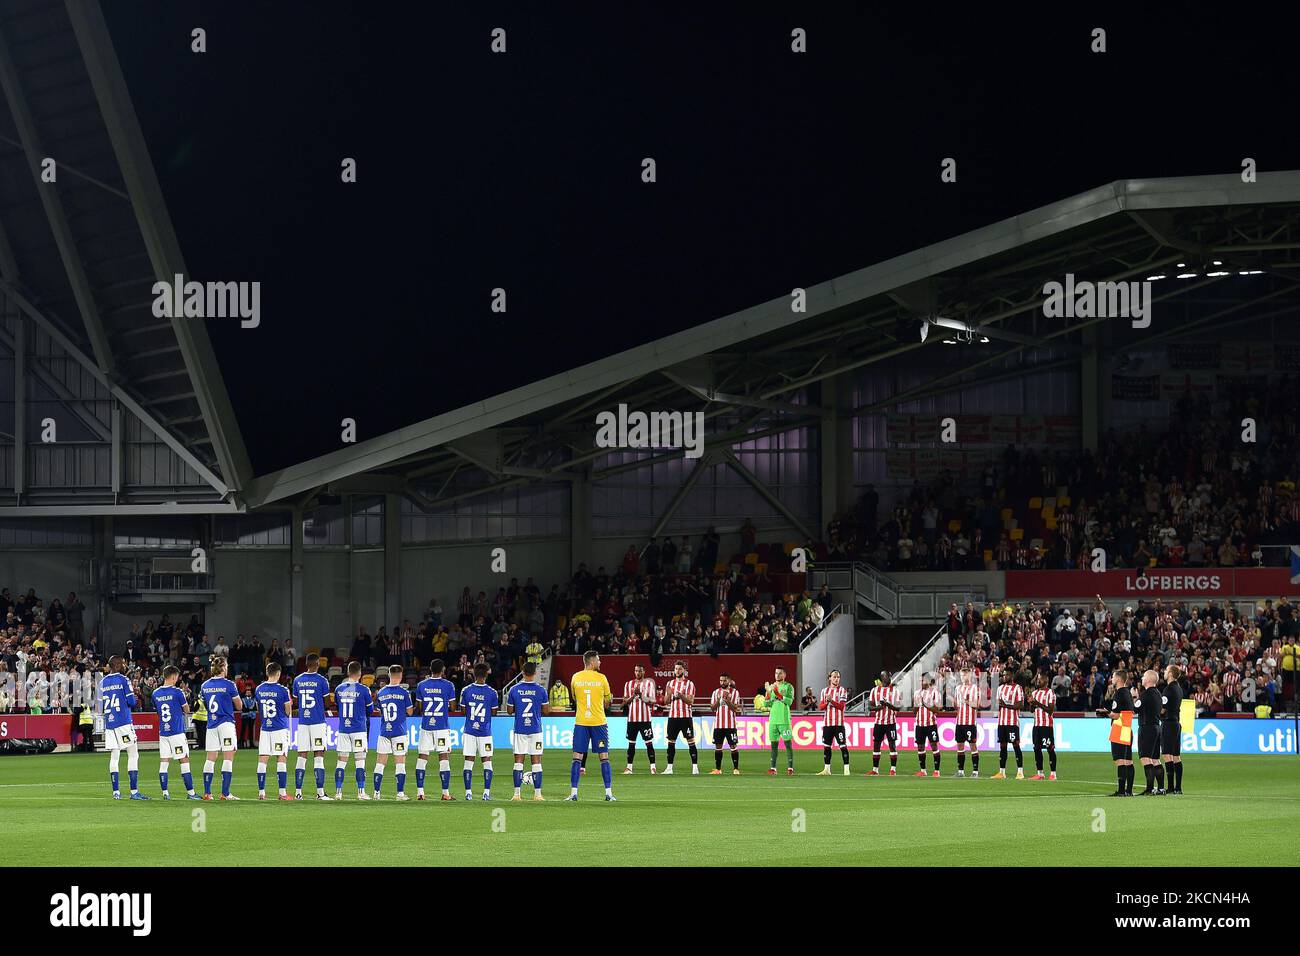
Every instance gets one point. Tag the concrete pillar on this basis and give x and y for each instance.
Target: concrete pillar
(579, 523)
(392, 560)
(296, 579)
(1089, 385)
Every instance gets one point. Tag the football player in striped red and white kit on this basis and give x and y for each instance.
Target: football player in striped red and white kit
(968, 709)
(1011, 697)
(885, 699)
(679, 698)
(726, 705)
(832, 700)
(926, 701)
(638, 699)
(1044, 699)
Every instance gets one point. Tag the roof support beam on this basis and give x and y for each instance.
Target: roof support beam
(702, 465)
(54, 214)
(155, 224)
(117, 391)
(725, 455)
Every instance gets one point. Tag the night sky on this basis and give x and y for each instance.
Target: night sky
(523, 170)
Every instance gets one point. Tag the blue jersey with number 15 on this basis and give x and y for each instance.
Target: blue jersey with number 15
(527, 698)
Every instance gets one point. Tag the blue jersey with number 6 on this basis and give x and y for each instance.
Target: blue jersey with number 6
(527, 698)
(435, 695)
(393, 702)
(479, 700)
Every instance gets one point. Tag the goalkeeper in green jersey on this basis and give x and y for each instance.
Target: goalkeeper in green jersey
(779, 696)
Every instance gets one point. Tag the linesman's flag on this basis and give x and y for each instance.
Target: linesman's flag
(1187, 713)
(1121, 729)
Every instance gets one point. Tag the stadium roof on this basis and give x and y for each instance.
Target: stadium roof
(761, 358)
(79, 259)
(79, 256)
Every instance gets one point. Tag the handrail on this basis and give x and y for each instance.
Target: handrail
(812, 635)
(902, 670)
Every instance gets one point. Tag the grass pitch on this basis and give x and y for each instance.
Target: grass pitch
(57, 810)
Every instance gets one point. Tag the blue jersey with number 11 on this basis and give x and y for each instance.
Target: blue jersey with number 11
(354, 702)
(527, 698)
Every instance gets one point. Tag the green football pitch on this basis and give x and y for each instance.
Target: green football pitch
(57, 810)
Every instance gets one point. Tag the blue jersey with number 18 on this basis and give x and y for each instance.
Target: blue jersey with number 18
(272, 705)
(479, 700)
(527, 698)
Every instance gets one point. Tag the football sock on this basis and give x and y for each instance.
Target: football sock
(420, 766)
(1051, 758)
(444, 774)
(319, 766)
(607, 775)
(776, 748)
(789, 752)
(961, 760)
(826, 757)
(378, 778)
(186, 777)
(299, 773)
(227, 774)
(518, 774)
(487, 774)
(717, 759)
(468, 773)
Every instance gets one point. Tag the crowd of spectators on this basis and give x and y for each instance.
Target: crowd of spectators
(1192, 495)
(1230, 662)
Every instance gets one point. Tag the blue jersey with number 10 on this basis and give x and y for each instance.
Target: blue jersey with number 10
(527, 698)
(393, 702)
(435, 695)
(479, 700)
(354, 702)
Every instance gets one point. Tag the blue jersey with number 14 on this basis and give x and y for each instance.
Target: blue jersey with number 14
(479, 700)
(527, 698)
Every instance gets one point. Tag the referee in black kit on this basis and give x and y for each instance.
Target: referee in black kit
(1121, 702)
(1148, 707)
(1171, 730)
